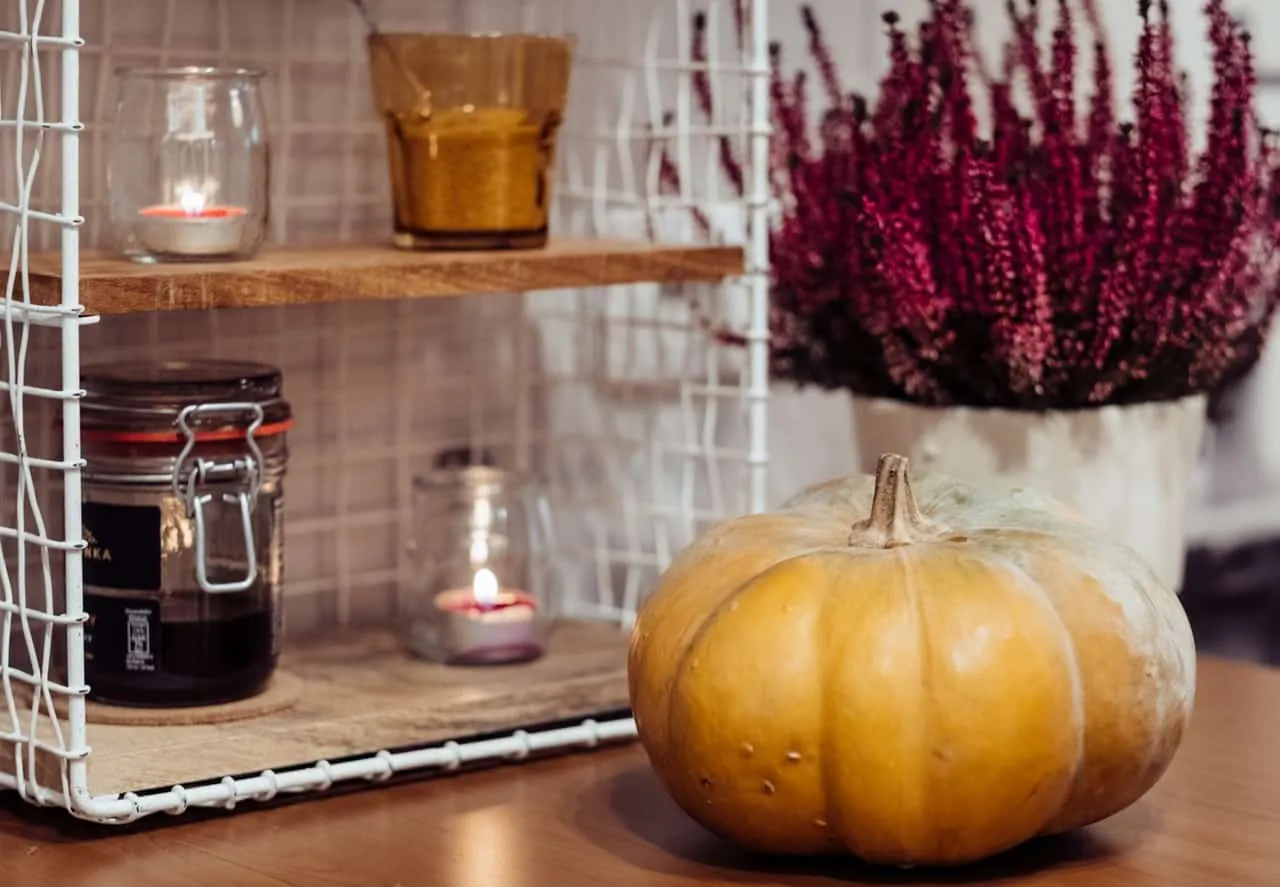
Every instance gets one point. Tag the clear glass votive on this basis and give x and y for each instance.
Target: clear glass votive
(187, 175)
(481, 594)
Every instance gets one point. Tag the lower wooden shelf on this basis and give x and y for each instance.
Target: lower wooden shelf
(360, 693)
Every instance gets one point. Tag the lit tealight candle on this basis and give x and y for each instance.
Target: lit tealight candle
(485, 624)
(191, 227)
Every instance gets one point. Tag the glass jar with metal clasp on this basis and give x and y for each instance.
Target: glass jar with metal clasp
(182, 511)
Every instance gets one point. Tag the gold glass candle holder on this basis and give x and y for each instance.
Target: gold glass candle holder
(471, 126)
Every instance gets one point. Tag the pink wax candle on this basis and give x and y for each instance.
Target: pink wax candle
(192, 228)
(487, 624)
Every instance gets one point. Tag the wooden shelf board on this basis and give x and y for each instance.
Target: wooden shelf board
(361, 693)
(298, 276)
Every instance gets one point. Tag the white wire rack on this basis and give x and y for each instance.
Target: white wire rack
(645, 428)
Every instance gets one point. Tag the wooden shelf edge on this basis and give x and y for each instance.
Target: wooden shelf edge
(326, 274)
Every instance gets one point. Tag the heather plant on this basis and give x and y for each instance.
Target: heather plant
(1034, 255)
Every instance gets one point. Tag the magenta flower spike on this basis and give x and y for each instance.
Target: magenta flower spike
(1042, 253)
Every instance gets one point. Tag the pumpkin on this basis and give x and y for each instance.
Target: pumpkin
(915, 682)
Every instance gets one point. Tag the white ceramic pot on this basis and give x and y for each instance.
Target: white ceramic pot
(1129, 469)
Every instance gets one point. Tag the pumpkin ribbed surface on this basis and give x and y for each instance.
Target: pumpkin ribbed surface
(913, 677)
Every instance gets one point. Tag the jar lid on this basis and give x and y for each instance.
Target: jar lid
(468, 473)
(469, 480)
(141, 401)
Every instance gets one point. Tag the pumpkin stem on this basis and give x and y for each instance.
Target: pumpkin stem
(895, 518)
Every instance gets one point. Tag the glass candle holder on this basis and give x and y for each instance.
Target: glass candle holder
(471, 125)
(481, 595)
(187, 176)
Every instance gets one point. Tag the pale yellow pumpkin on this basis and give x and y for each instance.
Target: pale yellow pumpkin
(929, 685)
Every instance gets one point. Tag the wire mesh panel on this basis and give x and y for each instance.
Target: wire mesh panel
(43, 707)
(644, 426)
(649, 415)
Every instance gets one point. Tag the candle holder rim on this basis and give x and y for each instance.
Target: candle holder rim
(190, 72)
(472, 475)
(568, 40)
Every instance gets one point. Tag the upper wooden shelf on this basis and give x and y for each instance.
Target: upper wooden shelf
(297, 276)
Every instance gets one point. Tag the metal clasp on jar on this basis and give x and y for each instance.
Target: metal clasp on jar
(205, 471)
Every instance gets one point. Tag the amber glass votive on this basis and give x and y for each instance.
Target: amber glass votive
(471, 125)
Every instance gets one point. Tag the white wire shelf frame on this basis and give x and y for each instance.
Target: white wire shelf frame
(675, 425)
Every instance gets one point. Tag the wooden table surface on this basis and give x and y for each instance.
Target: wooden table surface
(600, 820)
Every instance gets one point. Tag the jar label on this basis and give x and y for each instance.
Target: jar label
(123, 634)
(124, 546)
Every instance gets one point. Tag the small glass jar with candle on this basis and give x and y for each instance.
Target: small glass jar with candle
(482, 593)
(187, 176)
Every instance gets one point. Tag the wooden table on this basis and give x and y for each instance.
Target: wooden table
(600, 820)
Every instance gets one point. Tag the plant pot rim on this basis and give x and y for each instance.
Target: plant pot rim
(1030, 411)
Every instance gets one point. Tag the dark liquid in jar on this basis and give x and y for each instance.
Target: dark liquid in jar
(205, 662)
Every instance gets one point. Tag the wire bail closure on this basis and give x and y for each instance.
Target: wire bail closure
(212, 471)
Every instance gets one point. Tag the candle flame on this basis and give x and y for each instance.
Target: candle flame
(485, 586)
(191, 200)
